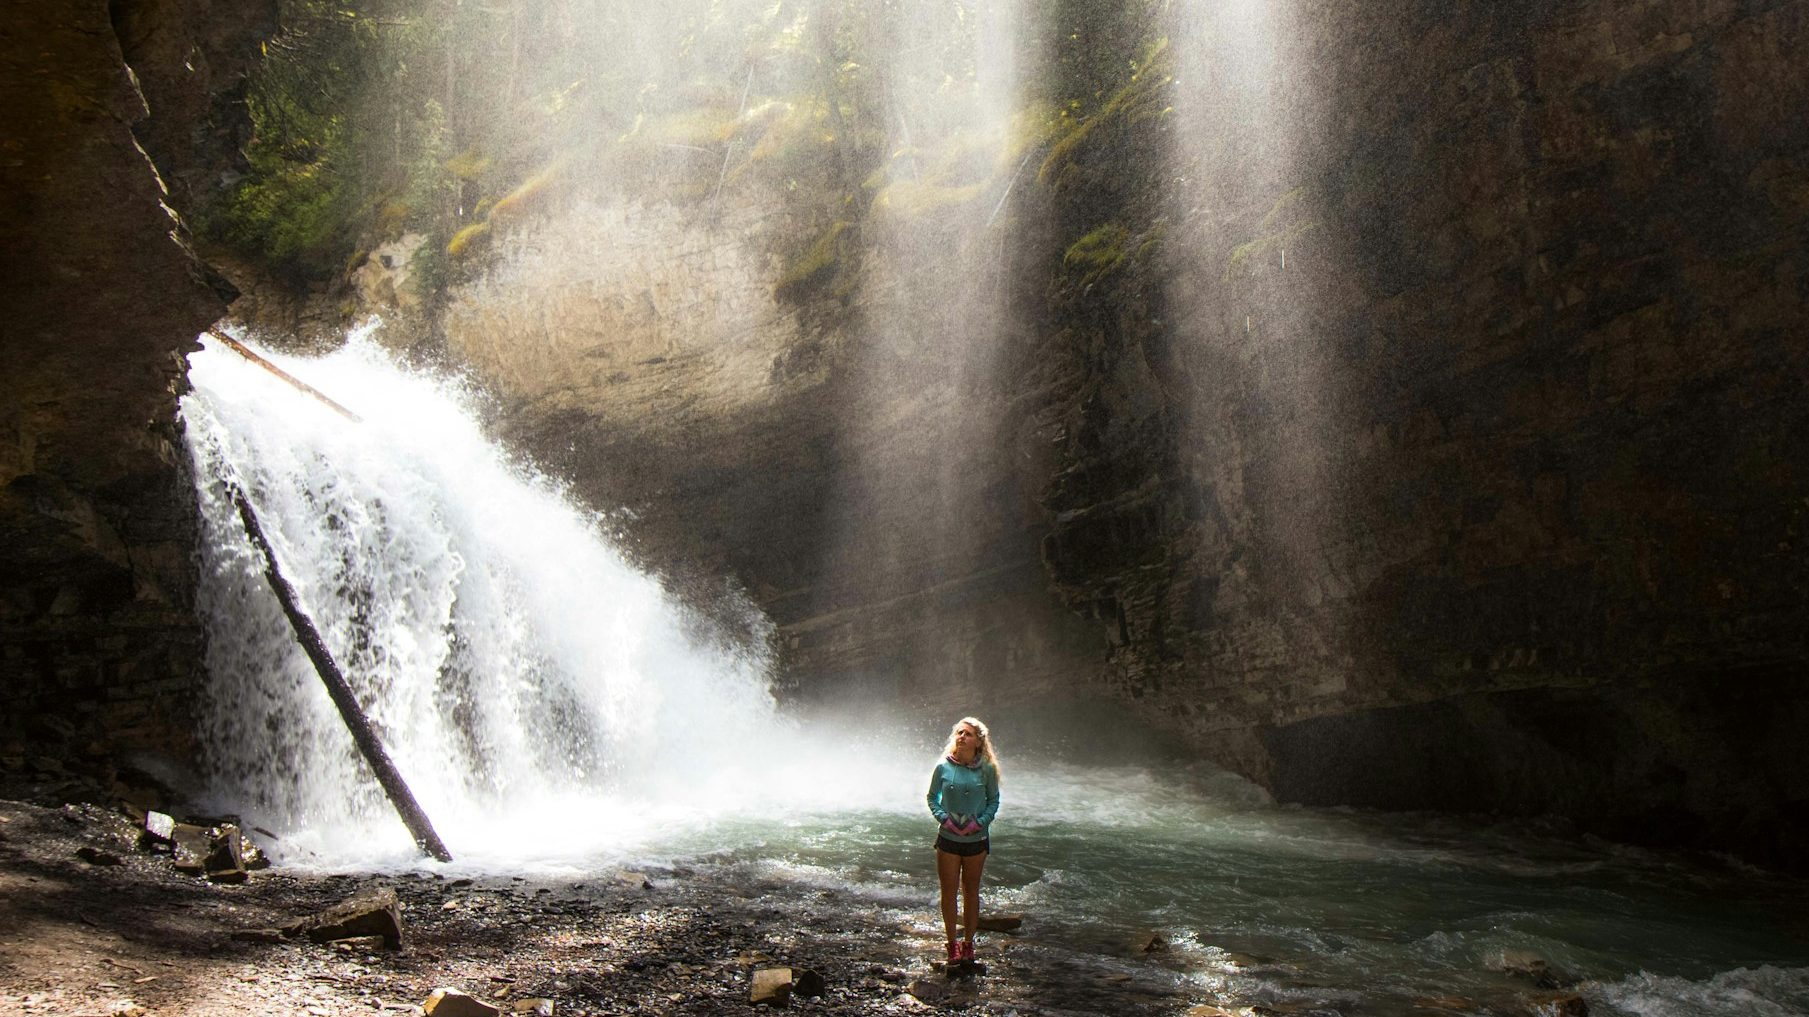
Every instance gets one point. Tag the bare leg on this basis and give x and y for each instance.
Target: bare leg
(970, 892)
(948, 870)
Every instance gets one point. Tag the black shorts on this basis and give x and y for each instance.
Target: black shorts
(966, 849)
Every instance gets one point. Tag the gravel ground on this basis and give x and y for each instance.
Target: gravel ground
(138, 937)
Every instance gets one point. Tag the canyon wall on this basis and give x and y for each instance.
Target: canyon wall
(1451, 452)
(1405, 406)
(98, 645)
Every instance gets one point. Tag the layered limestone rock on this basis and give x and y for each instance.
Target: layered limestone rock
(1452, 454)
(102, 296)
(828, 467)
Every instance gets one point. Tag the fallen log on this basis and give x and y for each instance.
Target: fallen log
(340, 691)
(245, 351)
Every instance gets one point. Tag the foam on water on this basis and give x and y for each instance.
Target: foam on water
(1757, 992)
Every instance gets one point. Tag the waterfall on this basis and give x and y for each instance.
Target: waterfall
(545, 699)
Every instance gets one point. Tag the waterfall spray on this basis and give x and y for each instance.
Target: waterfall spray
(517, 667)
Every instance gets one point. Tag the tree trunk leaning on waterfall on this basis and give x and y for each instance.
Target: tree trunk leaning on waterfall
(341, 692)
(964, 798)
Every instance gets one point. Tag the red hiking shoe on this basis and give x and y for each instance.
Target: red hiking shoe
(967, 950)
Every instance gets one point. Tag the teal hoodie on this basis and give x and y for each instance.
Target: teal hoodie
(964, 791)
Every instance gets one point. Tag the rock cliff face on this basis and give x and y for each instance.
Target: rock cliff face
(1406, 407)
(848, 476)
(102, 296)
(1451, 453)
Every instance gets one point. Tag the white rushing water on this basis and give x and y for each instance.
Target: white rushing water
(546, 701)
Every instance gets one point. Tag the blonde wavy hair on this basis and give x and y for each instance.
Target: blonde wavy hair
(986, 753)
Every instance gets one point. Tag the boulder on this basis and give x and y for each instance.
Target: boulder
(368, 914)
(1000, 923)
(190, 846)
(771, 987)
(927, 989)
(805, 982)
(225, 862)
(253, 856)
(448, 1002)
(159, 829)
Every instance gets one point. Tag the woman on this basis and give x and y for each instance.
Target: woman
(964, 798)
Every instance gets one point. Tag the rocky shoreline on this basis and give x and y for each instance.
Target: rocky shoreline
(102, 927)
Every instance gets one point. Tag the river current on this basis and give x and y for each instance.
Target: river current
(557, 713)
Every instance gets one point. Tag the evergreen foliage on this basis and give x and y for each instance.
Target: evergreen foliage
(449, 117)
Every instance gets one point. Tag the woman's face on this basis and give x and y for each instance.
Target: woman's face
(967, 739)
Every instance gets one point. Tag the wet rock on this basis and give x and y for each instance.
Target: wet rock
(449, 1002)
(927, 989)
(1208, 1010)
(1559, 1005)
(1000, 923)
(771, 987)
(639, 879)
(808, 983)
(253, 856)
(95, 856)
(159, 830)
(190, 846)
(1154, 943)
(225, 862)
(368, 914)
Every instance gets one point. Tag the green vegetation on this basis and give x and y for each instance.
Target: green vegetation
(1142, 98)
(1103, 250)
(1285, 221)
(346, 138)
(816, 266)
(449, 118)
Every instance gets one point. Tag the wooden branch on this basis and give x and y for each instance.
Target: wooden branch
(337, 687)
(245, 351)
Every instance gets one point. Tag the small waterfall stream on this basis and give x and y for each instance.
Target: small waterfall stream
(541, 695)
